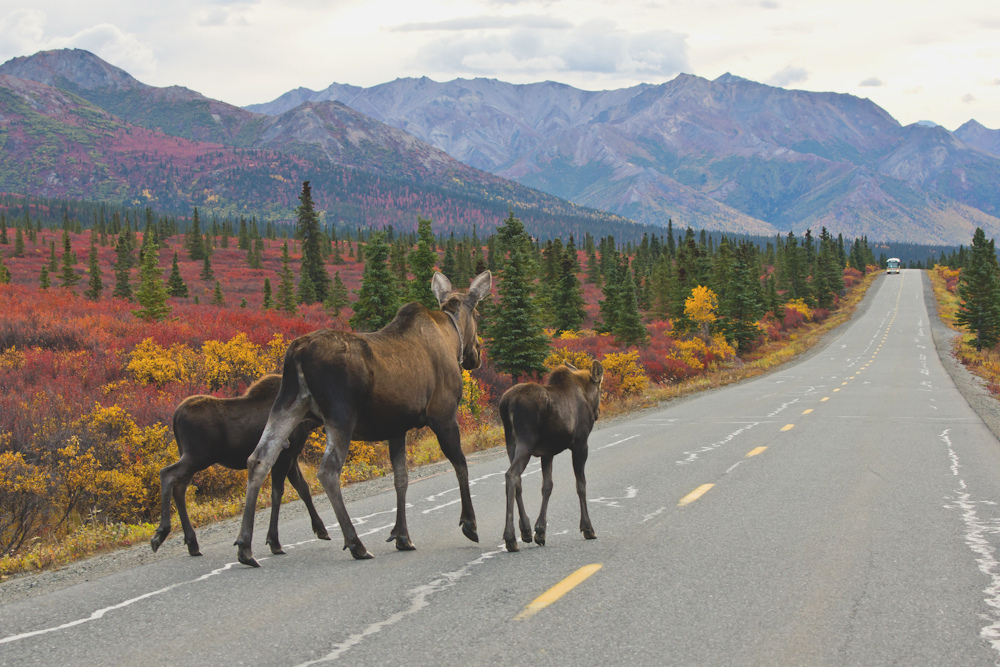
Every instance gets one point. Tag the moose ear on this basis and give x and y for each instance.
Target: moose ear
(570, 366)
(596, 372)
(480, 286)
(441, 286)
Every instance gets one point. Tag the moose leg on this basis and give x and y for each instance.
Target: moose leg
(451, 444)
(280, 425)
(168, 477)
(579, 461)
(513, 479)
(180, 493)
(400, 478)
(523, 521)
(338, 441)
(278, 474)
(302, 488)
(546, 492)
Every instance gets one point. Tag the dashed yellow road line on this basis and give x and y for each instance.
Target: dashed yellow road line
(694, 495)
(557, 591)
(838, 388)
(807, 411)
(825, 398)
(788, 427)
(755, 451)
(842, 383)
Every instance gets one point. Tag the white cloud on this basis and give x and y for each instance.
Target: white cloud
(968, 98)
(787, 76)
(872, 81)
(486, 22)
(22, 32)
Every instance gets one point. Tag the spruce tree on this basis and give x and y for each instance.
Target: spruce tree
(397, 261)
(336, 300)
(744, 303)
(43, 279)
(4, 272)
(268, 302)
(313, 272)
(195, 243)
(568, 307)
(286, 287)
(53, 262)
(206, 268)
(628, 328)
(517, 344)
(217, 298)
(611, 304)
(422, 262)
(152, 293)
(68, 277)
(4, 239)
(175, 283)
(95, 285)
(18, 243)
(122, 269)
(377, 299)
(979, 289)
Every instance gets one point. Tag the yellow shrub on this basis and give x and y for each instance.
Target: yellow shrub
(151, 363)
(562, 355)
(11, 359)
(691, 352)
(274, 354)
(226, 364)
(472, 395)
(364, 461)
(627, 376)
(800, 306)
(569, 335)
(721, 348)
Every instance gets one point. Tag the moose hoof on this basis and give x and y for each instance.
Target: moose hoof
(276, 548)
(193, 549)
(246, 557)
(511, 544)
(403, 543)
(539, 537)
(526, 536)
(590, 534)
(360, 553)
(469, 530)
(156, 540)
(322, 535)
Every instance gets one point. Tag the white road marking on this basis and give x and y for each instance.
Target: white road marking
(630, 492)
(617, 442)
(450, 502)
(419, 599)
(692, 456)
(654, 514)
(975, 538)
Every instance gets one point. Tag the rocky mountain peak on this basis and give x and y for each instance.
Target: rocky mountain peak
(78, 67)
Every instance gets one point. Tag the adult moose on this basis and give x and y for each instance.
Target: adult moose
(543, 420)
(225, 431)
(377, 386)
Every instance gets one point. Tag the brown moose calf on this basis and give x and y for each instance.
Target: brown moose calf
(543, 420)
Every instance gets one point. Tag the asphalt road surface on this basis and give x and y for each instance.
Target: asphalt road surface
(842, 510)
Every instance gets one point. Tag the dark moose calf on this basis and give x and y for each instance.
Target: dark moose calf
(225, 431)
(543, 420)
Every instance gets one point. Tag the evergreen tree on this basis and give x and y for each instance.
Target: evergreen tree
(422, 262)
(313, 272)
(377, 299)
(361, 253)
(68, 277)
(335, 257)
(4, 272)
(306, 292)
(175, 284)
(206, 268)
(517, 344)
(95, 285)
(979, 289)
(152, 293)
(18, 243)
(568, 307)
(53, 262)
(449, 264)
(43, 279)
(268, 303)
(397, 260)
(628, 328)
(336, 300)
(4, 239)
(611, 304)
(217, 298)
(194, 243)
(122, 269)
(286, 288)
(744, 303)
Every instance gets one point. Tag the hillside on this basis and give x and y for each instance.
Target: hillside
(59, 143)
(729, 152)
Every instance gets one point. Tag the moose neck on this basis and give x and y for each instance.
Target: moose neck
(461, 339)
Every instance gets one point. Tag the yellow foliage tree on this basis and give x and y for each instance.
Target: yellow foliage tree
(627, 376)
(700, 308)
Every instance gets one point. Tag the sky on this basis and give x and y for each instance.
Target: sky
(918, 59)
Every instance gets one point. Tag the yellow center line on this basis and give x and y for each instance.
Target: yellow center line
(755, 451)
(805, 412)
(694, 495)
(787, 427)
(825, 398)
(557, 591)
(851, 378)
(842, 383)
(838, 388)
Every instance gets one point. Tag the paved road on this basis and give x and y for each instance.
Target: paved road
(851, 519)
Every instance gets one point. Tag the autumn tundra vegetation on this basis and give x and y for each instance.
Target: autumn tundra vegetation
(111, 318)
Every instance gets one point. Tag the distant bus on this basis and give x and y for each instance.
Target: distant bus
(892, 266)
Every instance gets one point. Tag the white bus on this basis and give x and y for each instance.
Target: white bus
(892, 266)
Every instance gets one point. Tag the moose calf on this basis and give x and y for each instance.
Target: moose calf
(543, 420)
(225, 431)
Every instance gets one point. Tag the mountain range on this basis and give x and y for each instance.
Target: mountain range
(728, 154)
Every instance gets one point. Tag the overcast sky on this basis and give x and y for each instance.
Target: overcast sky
(919, 59)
